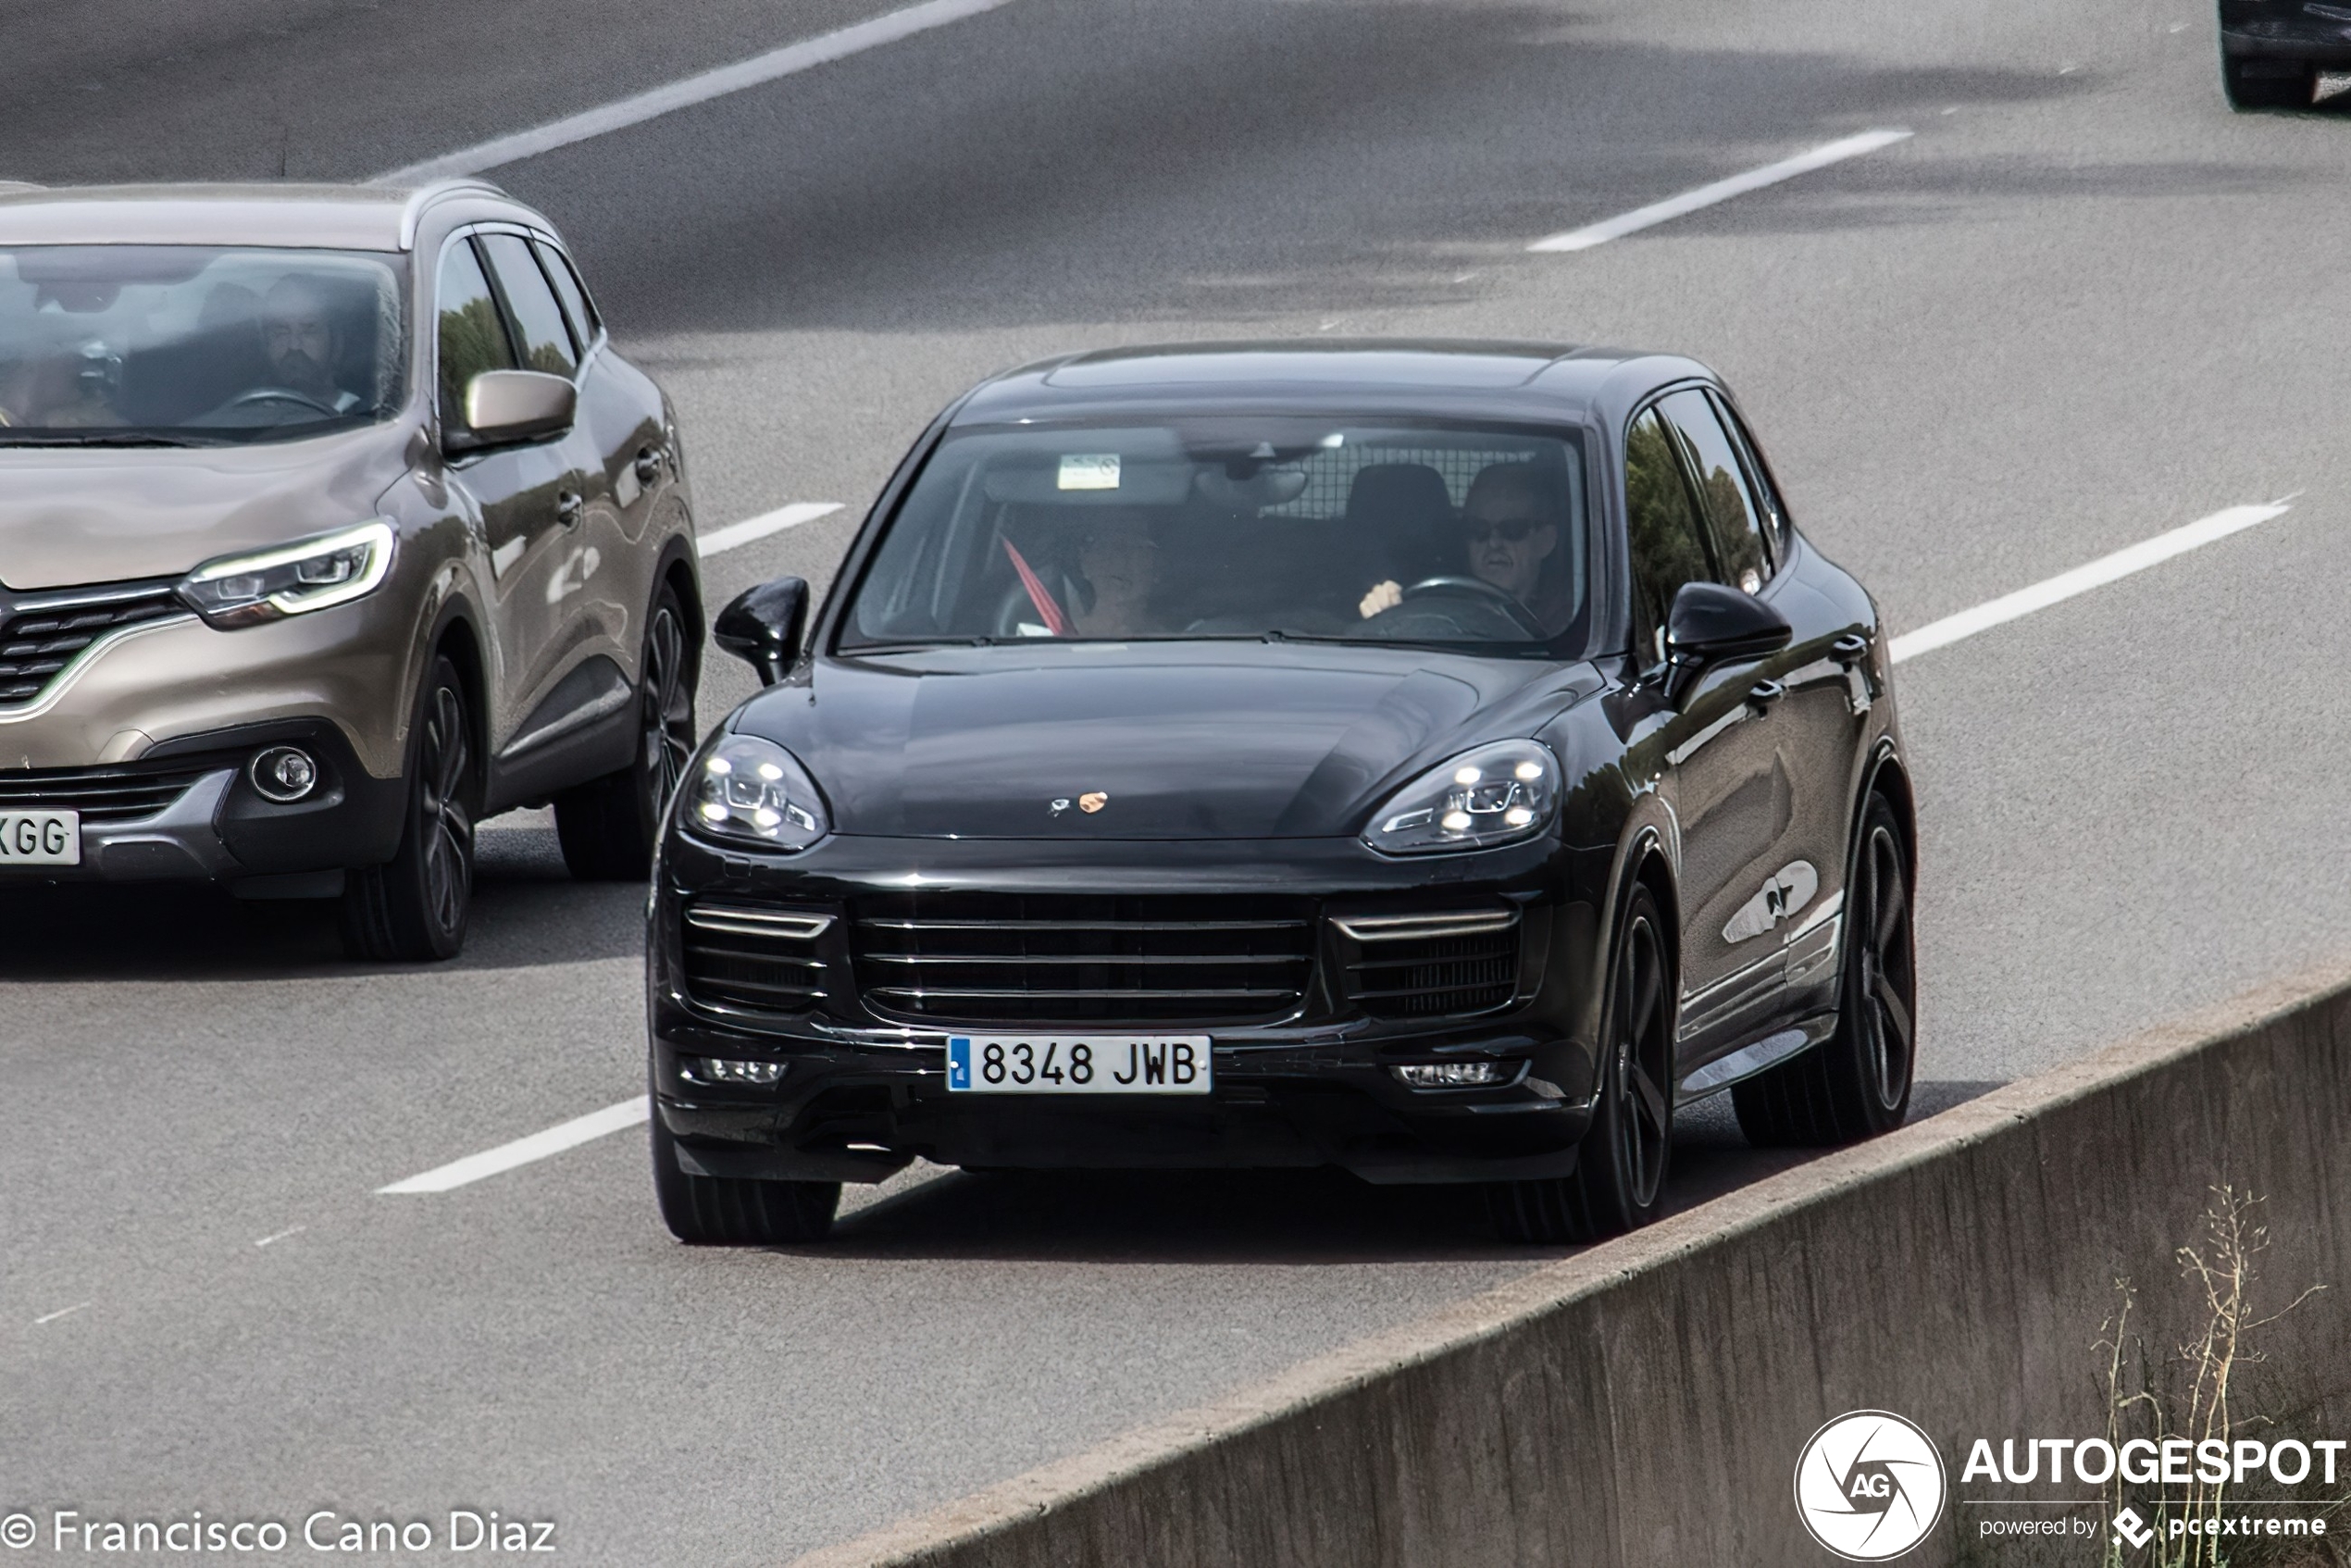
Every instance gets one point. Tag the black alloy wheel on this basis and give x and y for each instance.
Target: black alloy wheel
(2257, 83)
(736, 1212)
(1618, 1184)
(1857, 1084)
(609, 827)
(413, 908)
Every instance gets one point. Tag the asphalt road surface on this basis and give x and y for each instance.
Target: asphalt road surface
(2082, 305)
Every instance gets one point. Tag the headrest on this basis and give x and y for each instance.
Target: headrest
(1385, 495)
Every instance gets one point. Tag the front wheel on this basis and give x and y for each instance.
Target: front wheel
(413, 908)
(2257, 83)
(1619, 1183)
(1857, 1084)
(733, 1212)
(608, 826)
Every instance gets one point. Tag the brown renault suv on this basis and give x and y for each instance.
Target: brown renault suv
(330, 523)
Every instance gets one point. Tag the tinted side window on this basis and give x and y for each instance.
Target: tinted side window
(1759, 478)
(1722, 480)
(577, 303)
(473, 335)
(1663, 527)
(539, 320)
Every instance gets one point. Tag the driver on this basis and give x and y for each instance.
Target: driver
(298, 333)
(1509, 531)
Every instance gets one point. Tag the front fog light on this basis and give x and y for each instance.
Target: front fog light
(720, 1070)
(1453, 1074)
(285, 773)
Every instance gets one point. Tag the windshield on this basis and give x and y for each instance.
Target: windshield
(194, 345)
(1376, 532)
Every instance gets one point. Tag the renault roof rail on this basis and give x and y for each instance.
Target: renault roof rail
(424, 196)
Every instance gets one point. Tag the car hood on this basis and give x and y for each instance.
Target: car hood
(1193, 740)
(71, 515)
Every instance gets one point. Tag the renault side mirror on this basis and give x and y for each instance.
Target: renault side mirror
(1710, 624)
(761, 625)
(507, 406)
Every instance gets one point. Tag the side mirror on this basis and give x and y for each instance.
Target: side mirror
(761, 625)
(1709, 625)
(504, 407)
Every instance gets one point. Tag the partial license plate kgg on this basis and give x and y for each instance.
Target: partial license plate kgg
(39, 837)
(1084, 1065)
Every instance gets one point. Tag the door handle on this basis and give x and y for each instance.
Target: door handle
(648, 464)
(569, 508)
(1763, 693)
(1847, 650)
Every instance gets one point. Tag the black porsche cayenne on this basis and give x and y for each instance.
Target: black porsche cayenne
(1437, 760)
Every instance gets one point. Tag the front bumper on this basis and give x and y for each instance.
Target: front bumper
(200, 818)
(864, 1091)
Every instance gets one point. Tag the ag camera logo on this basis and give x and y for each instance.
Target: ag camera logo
(1869, 1485)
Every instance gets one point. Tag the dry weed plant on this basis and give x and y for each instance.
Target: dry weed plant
(2195, 1393)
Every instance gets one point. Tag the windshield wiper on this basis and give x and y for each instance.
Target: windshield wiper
(110, 437)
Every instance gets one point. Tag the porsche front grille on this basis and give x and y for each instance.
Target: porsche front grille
(998, 958)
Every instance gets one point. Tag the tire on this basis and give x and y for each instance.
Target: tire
(1857, 1084)
(731, 1212)
(1619, 1183)
(413, 908)
(609, 827)
(2258, 84)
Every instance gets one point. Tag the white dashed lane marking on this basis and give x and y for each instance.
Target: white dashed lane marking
(737, 534)
(1650, 217)
(2080, 580)
(773, 66)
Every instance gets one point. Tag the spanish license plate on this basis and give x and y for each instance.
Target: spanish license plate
(39, 837)
(1081, 1064)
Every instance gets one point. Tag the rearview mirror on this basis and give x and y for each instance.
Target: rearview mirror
(504, 407)
(1709, 625)
(761, 625)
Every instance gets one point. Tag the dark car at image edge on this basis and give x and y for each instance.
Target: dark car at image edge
(1176, 718)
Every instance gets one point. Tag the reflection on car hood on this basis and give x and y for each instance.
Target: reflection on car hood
(1192, 740)
(75, 514)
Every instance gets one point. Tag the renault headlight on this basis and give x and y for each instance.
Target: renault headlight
(291, 581)
(1496, 794)
(755, 791)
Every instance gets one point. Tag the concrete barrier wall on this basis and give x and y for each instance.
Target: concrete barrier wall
(1645, 1401)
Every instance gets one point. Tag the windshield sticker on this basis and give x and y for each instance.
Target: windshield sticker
(1096, 470)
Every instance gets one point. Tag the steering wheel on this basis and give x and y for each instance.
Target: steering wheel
(1520, 617)
(278, 394)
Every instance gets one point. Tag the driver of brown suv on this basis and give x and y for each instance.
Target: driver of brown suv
(304, 345)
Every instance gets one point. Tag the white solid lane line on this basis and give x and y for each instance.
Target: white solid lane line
(523, 1150)
(782, 517)
(1952, 629)
(776, 64)
(2080, 580)
(1721, 191)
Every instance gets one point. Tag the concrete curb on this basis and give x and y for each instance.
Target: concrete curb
(1521, 1425)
